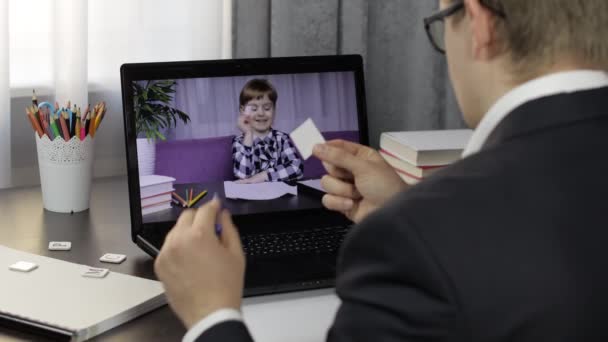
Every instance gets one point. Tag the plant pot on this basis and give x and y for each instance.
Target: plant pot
(146, 156)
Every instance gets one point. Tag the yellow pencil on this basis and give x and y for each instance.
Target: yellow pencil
(197, 198)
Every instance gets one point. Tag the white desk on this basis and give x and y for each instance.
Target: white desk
(295, 317)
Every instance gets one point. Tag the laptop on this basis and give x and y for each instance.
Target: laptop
(291, 242)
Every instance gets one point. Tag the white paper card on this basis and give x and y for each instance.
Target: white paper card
(94, 272)
(113, 258)
(60, 245)
(305, 137)
(23, 266)
(258, 191)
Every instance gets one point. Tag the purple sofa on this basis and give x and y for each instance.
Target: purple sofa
(203, 160)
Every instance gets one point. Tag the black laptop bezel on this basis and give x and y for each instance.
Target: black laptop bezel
(225, 68)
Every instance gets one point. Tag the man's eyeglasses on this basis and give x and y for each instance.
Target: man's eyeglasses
(435, 24)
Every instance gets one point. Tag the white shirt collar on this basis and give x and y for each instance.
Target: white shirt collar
(562, 82)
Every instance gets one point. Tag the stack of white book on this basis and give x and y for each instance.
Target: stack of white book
(155, 192)
(417, 154)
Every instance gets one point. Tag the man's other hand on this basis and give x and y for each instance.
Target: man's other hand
(200, 271)
(359, 180)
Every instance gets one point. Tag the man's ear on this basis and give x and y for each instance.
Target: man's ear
(483, 32)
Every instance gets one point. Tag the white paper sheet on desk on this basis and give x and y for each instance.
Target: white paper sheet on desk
(258, 191)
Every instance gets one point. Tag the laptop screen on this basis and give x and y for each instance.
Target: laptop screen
(228, 136)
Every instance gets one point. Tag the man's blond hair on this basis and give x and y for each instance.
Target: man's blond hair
(539, 33)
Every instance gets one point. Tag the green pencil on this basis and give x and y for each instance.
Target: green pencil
(54, 127)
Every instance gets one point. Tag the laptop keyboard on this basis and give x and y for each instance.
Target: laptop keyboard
(315, 241)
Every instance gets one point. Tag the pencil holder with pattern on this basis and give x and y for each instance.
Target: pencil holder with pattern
(66, 169)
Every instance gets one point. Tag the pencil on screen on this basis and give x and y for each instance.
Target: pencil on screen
(197, 198)
(182, 201)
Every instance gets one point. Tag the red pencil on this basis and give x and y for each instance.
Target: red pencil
(47, 129)
(35, 125)
(64, 126)
(179, 198)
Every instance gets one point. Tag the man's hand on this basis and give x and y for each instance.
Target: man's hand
(200, 271)
(359, 180)
(258, 178)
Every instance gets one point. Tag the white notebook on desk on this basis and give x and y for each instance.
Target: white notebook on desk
(57, 298)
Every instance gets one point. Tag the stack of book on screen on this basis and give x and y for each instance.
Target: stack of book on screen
(155, 192)
(417, 154)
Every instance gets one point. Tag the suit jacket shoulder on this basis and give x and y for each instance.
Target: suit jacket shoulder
(501, 245)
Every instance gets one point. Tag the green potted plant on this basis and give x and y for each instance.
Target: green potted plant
(153, 113)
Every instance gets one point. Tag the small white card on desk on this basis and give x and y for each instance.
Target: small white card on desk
(305, 137)
(60, 245)
(23, 266)
(94, 272)
(113, 258)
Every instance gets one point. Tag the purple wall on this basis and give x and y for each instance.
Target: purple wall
(212, 103)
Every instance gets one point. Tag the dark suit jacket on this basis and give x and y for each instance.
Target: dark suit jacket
(509, 244)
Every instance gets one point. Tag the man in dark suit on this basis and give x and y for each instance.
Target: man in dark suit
(505, 245)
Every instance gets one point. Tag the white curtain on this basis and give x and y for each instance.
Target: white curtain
(5, 146)
(73, 49)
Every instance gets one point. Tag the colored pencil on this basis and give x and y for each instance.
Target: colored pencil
(197, 198)
(34, 98)
(35, 124)
(98, 118)
(54, 128)
(92, 127)
(47, 129)
(64, 127)
(190, 198)
(77, 128)
(72, 123)
(87, 121)
(181, 200)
